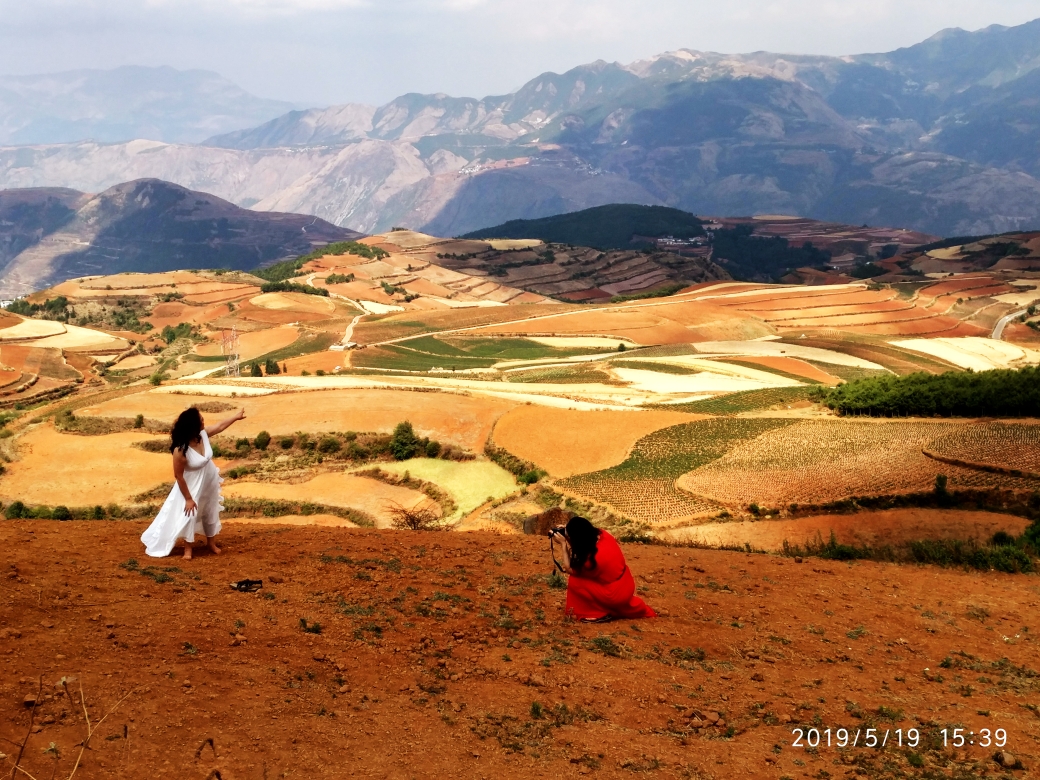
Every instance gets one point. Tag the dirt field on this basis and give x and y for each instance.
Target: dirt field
(370, 496)
(58, 468)
(978, 354)
(863, 528)
(794, 366)
(434, 649)
(17, 330)
(464, 421)
(671, 323)
(813, 462)
(566, 442)
(294, 302)
(254, 344)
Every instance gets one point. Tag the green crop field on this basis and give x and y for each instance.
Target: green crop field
(643, 486)
(748, 401)
(427, 352)
(580, 373)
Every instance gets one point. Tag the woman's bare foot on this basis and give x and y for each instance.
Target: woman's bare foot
(213, 547)
(187, 552)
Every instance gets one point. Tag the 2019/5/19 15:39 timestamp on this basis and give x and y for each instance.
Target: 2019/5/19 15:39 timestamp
(880, 738)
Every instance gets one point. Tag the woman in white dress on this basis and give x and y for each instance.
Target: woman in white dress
(194, 503)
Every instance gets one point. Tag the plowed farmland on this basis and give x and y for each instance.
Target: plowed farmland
(461, 420)
(368, 496)
(889, 527)
(814, 462)
(643, 486)
(566, 442)
(1007, 446)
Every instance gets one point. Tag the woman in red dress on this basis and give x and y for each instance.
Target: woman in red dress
(600, 586)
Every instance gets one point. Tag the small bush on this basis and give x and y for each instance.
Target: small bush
(310, 628)
(286, 442)
(1002, 539)
(329, 444)
(529, 477)
(61, 513)
(262, 440)
(139, 421)
(320, 372)
(415, 519)
(98, 513)
(242, 444)
(433, 449)
(15, 510)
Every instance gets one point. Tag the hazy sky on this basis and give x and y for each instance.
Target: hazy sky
(317, 52)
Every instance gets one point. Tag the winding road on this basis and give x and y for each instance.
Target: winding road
(998, 329)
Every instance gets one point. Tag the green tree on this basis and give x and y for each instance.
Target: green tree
(262, 440)
(254, 370)
(271, 367)
(404, 443)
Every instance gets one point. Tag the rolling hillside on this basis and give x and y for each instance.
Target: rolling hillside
(47, 236)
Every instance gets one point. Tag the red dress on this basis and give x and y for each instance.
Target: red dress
(607, 590)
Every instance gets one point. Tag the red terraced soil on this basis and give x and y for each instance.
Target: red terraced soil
(248, 311)
(254, 344)
(938, 326)
(812, 302)
(461, 420)
(894, 526)
(222, 296)
(881, 308)
(361, 290)
(426, 287)
(432, 694)
(567, 442)
(16, 356)
(792, 366)
(327, 361)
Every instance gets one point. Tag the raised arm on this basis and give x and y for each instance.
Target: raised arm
(213, 430)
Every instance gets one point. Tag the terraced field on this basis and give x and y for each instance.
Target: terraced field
(643, 486)
(750, 401)
(1009, 446)
(815, 462)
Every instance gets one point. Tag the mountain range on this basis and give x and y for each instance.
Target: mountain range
(160, 104)
(49, 235)
(942, 137)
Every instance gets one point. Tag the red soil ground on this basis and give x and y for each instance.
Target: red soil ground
(565, 442)
(463, 420)
(248, 311)
(254, 344)
(793, 366)
(435, 647)
(871, 528)
(668, 323)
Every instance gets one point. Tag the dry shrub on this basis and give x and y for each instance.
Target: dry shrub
(419, 518)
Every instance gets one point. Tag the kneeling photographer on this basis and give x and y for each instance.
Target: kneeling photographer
(600, 587)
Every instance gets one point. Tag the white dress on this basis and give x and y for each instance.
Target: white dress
(171, 524)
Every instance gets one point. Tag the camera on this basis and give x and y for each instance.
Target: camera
(560, 531)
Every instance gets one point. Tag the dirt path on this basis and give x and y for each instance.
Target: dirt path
(436, 648)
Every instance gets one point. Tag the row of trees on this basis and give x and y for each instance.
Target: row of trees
(998, 393)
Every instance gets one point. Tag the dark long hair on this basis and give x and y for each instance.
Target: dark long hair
(186, 430)
(583, 537)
